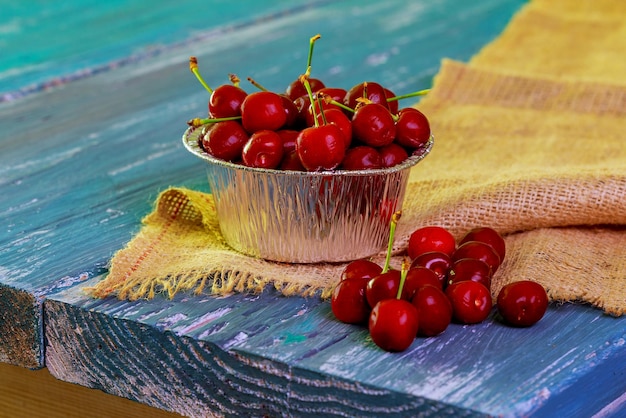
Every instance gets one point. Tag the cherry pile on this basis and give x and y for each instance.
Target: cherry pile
(441, 281)
(310, 126)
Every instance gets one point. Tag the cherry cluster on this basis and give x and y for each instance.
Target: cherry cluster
(309, 126)
(441, 281)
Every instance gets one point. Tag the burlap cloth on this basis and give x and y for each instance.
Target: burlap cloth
(530, 140)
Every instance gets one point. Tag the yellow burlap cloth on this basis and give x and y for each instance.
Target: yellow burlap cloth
(530, 140)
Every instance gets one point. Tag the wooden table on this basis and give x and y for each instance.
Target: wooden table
(95, 96)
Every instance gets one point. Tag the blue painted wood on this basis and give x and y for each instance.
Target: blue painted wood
(82, 164)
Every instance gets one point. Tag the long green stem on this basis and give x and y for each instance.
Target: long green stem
(304, 79)
(392, 232)
(199, 122)
(257, 85)
(403, 273)
(311, 45)
(406, 96)
(193, 67)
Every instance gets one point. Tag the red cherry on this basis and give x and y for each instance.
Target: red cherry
(264, 149)
(384, 286)
(488, 236)
(434, 310)
(480, 251)
(361, 157)
(393, 324)
(348, 302)
(471, 301)
(296, 88)
(393, 105)
(412, 128)
(337, 117)
(225, 140)
(291, 162)
(335, 93)
(291, 111)
(392, 154)
(375, 94)
(263, 110)
(288, 136)
(321, 147)
(522, 303)
(373, 124)
(470, 269)
(436, 261)
(226, 100)
(416, 278)
(431, 238)
(362, 268)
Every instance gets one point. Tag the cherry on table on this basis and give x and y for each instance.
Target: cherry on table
(225, 140)
(383, 286)
(470, 269)
(522, 303)
(478, 250)
(264, 149)
(348, 302)
(393, 324)
(373, 125)
(431, 238)
(434, 310)
(488, 236)
(263, 110)
(437, 261)
(416, 278)
(471, 301)
(362, 268)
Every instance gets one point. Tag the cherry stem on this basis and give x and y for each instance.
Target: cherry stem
(330, 100)
(257, 85)
(311, 45)
(406, 96)
(193, 67)
(392, 232)
(319, 103)
(199, 122)
(304, 79)
(234, 79)
(403, 273)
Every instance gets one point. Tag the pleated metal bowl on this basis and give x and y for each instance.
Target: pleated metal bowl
(305, 217)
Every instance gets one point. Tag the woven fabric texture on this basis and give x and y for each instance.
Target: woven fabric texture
(529, 140)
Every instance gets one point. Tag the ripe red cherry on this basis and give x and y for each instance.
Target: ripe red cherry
(392, 154)
(384, 286)
(470, 269)
(375, 93)
(488, 236)
(362, 268)
(412, 128)
(373, 125)
(393, 105)
(479, 250)
(416, 278)
(335, 93)
(296, 88)
(225, 140)
(393, 324)
(434, 310)
(321, 147)
(337, 117)
(471, 301)
(264, 149)
(431, 238)
(348, 302)
(288, 137)
(436, 261)
(291, 111)
(361, 157)
(522, 303)
(291, 162)
(226, 100)
(263, 110)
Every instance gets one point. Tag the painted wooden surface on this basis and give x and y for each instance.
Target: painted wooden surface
(81, 164)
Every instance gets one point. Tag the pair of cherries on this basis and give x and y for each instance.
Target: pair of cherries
(443, 282)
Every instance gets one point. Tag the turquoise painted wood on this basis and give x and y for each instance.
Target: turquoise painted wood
(81, 165)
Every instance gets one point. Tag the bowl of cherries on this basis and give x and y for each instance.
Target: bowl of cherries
(309, 174)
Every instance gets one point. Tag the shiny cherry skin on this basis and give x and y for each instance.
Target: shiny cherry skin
(291, 162)
(321, 147)
(373, 125)
(291, 111)
(416, 278)
(488, 236)
(225, 140)
(384, 286)
(436, 261)
(392, 154)
(337, 117)
(522, 303)
(470, 269)
(361, 157)
(296, 88)
(431, 238)
(375, 94)
(471, 301)
(393, 324)
(362, 268)
(412, 128)
(226, 100)
(335, 93)
(434, 310)
(288, 137)
(348, 302)
(263, 110)
(392, 105)
(479, 250)
(264, 149)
